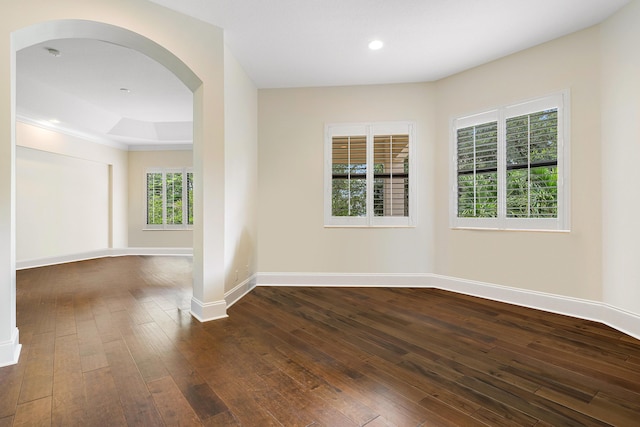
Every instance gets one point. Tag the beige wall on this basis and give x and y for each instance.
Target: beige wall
(560, 263)
(70, 195)
(139, 162)
(291, 195)
(620, 157)
(241, 164)
(292, 236)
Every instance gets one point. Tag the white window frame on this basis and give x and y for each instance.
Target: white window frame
(185, 207)
(369, 130)
(559, 100)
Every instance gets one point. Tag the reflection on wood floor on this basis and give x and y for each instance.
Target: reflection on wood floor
(111, 342)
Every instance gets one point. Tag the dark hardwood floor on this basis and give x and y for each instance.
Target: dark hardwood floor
(111, 342)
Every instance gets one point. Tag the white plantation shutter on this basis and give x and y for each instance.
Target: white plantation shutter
(155, 212)
(368, 174)
(169, 198)
(532, 160)
(510, 167)
(391, 175)
(349, 175)
(477, 148)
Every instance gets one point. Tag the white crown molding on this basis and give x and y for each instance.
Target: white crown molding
(72, 132)
(180, 146)
(119, 143)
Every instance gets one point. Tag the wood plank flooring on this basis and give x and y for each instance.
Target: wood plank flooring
(111, 342)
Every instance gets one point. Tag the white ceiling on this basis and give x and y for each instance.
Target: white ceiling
(286, 43)
(289, 43)
(83, 88)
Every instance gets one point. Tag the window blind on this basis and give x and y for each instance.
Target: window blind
(532, 160)
(477, 149)
(391, 175)
(511, 168)
(169, 198)
(368, 174)
(349, 176)
(154, 199)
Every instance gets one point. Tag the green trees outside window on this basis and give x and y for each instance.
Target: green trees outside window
(167, 192)
(478, 171)
(390, 175)
(509, 167)
(349, 176)
(532, 159)
(369, 176)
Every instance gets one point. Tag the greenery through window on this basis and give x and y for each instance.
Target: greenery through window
(349, 176)
(509, 167)
(532, 160)
(370, 175)
(169, 198)
(478, 171)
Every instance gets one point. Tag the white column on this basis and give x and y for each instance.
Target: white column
(9, 337)
(208, 231)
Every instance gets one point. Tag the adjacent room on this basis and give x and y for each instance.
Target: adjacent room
(301, 213)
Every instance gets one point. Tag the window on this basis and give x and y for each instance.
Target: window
(511, 166)
(368, 174)
(169, 198)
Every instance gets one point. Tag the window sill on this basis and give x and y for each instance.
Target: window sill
(526, 230)
(168, 229)
(367, 226)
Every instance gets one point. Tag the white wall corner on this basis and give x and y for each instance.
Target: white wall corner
(622, 320)
(10, 350)
(236, 294)
(205, 312)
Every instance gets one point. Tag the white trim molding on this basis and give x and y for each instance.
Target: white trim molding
(621, 320)
(102, 253)
(234, 295)
(10, 350)
(205, 312)
(344, 279)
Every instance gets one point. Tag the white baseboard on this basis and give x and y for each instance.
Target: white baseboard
(10, 350)
(624, 321)
(344, 279)
(205, 312)
(236, 294)
(101, 253)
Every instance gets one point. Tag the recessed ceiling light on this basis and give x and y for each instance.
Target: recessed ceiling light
(376, 44)
(125, 90)
(52, 51)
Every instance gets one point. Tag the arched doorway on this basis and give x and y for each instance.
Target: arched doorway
(208, 289)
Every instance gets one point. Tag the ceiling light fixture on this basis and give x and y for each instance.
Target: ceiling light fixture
(376, 45)
(52, 51)
(125, 90)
